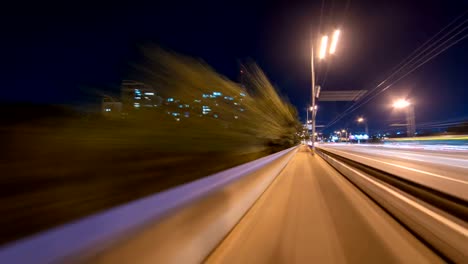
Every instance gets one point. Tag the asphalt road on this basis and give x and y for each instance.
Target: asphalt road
(312, 214)
(446, 171)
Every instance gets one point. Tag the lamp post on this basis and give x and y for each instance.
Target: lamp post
(362, 120)
(307, 121)
(321, 56)
(410, 119)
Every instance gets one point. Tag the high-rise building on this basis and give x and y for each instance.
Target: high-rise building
(111, 107)
(137, 95)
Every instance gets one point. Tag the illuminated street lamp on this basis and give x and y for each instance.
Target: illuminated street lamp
(410, 119)
(401, 103)
(323, 47)
(321, 55)
(362, 120)
(336, 36)
(345, 133)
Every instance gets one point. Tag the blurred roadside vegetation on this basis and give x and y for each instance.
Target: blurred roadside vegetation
(58, 165)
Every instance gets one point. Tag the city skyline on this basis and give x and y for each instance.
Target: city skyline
(71, 63)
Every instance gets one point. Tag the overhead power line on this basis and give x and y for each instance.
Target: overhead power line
(417, 56)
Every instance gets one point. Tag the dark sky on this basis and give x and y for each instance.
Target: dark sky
(66, 51)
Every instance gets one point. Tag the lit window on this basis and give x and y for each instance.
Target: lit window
(170, 99)
(137, 98)
(217, 94)
(242, 94)
(215, 116)
(149, 93)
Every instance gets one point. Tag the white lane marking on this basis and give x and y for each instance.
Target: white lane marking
(459, 156)
(432, 158)
(454, 226)
(407, 168)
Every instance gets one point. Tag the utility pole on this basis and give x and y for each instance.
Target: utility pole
(314, 108)
(410, 121)
(321, 55)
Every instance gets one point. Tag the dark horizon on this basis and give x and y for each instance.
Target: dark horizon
(83, 51)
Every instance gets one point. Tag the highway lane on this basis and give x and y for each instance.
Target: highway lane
(458, 159)
(443, 171)
(312, 214)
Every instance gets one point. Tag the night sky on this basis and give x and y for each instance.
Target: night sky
(70, 53)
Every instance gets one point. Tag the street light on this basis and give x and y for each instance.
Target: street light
(345, 133)
(362, 120)
(336, 36)
(401, 103)
(321, 56)
(410, 119)
(323, 47)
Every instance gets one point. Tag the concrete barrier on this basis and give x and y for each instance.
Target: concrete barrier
(180, 225)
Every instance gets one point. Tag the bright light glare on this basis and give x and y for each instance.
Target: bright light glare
(360, 120)
(401, 103)
(323, 47)
(311, 108)
(336, 36)
(343, 131)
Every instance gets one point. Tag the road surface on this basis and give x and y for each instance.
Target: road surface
(312, 214)
(445, 171)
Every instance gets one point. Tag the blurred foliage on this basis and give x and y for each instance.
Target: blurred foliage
(260, 118)
(57, 165)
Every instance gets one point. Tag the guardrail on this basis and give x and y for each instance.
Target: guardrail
(437, 226)
(181, 225)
